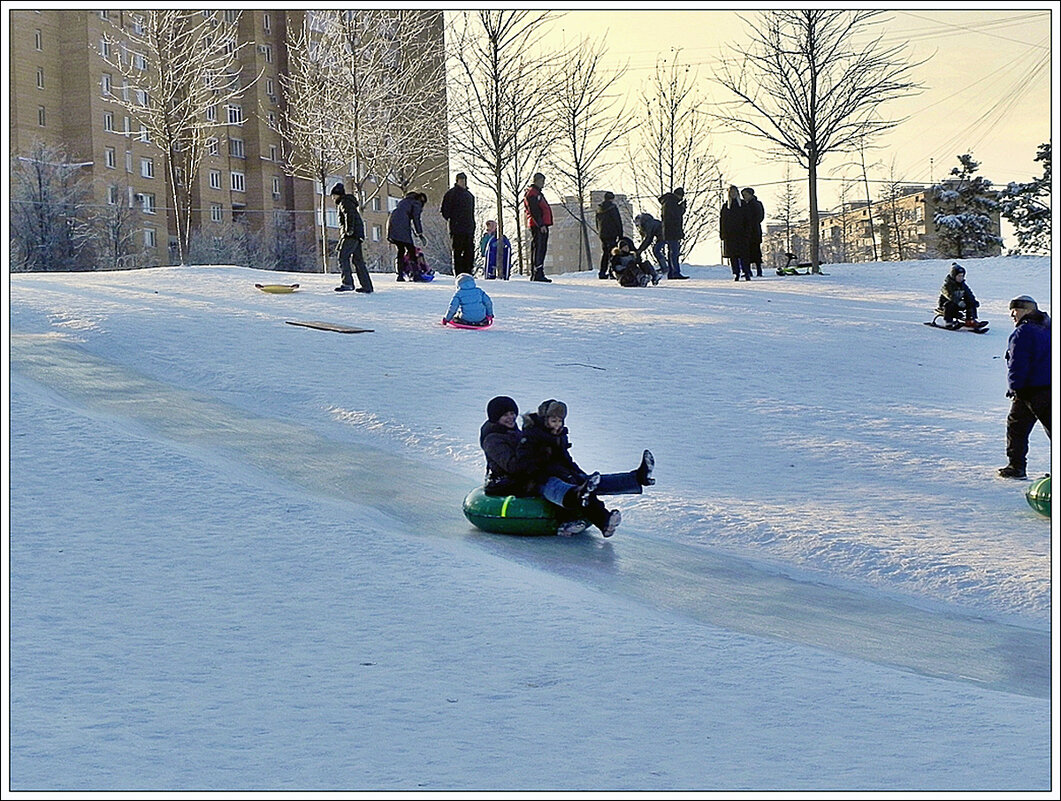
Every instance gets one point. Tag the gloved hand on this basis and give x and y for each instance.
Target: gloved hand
(961, 304)
(1010, 393)
(444, 321)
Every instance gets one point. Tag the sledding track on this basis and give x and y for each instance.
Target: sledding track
(715, 590)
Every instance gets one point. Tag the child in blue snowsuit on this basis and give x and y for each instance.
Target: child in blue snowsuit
(470, 305)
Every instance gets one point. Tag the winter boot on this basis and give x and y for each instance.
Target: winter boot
(344, 288)
(587, 488)
(644, 471)
(615, 517)
(539, 275)
(607, 521)
(1009, 471)
(571, 528)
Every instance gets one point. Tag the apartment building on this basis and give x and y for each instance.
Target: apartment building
(59, 82)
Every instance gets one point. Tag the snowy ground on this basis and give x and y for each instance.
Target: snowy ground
(237, 559)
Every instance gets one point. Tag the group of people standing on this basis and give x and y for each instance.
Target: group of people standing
(741, 231)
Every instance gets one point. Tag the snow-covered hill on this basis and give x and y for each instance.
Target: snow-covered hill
(238, 561)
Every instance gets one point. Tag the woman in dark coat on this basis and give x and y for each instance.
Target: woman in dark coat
(733, 230)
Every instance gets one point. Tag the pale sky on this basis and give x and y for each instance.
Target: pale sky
(987, 86)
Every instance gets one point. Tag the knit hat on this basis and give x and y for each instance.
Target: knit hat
(1024, 302)
(680, 191)
(499, 406)
(338, 189)
(552, 408)
(956, 268)
(465, 278)
(609, 196)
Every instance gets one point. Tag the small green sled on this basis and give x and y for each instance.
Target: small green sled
(511, 514)
(1038, 495)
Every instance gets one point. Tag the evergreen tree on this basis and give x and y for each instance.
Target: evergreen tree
(965, 209)
(1027, 207)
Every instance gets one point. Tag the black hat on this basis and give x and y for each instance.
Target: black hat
(609, 196)
(1024, 302)
(499, 406)
(338, 189)
(956, 268)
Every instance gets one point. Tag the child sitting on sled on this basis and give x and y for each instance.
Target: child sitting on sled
(470, 305)
(956, 300)
(628, 266)
(417, 269)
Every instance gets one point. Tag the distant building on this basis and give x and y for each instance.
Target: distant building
(900, 229)
(58, 80)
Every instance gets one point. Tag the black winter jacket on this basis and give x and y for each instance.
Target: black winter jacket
(542, 454)
(503, 473)
(956, 293)
(672, 212)
(609, 221)
(458, 207)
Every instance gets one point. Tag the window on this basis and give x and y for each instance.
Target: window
(150, 240)
(265, 22)
(273, 153)
(392, 202)
(211, 113)
(139, 61)
(147, 168)
(276, 188)
(235, 114)
(148, 203)
(211, 146)
(104, 48)
(235, 148)
(331, 219)
(40, 78)
(110, 158)
(377, 233)
(231, 16)
(377, 203)
(103, 15)
(113, 195)
(217, 212)
(38, 40)
(128, 161)
(138, 25)
(239, 183)
(41, 116)
(105, 84)
(141, 96)
(270, 87)
(215, 179)
(127, 125)
(144, 135)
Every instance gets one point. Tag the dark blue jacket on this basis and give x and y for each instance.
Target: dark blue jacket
(404, 218)
(1028, 353)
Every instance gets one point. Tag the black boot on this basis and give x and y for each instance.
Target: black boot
(539, 275)
(644, 470)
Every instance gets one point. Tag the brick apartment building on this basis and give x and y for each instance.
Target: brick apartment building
(58, 80)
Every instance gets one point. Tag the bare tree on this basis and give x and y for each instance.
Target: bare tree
(788, 210)
(179, 78)
(118, 230)
(48, 212)
(890, 194)
(497, 94)
(808, 86)
(591, 118)
(671, 146)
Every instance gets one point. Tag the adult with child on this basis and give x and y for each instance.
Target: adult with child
(956, 299)
(672, 218)
(403, 223)
(609, 229)
(539, 219)
(756, 215)
(1028, 377)
(733, 231)
(629, 268)
(470, 305)
(351, 235)
(536, 461)
(458, 209)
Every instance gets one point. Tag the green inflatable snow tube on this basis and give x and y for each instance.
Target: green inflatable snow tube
(1038, 495)
(512, 514)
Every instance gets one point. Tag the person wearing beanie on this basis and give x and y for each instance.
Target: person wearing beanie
(470, 305)
(609, 229)
(544, 455)
(499, 437)
(1028, 377)
(957, 300)
(351, 235)
(672, 213)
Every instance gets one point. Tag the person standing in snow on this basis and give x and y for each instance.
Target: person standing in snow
(351, 235)
(756, 215)
(672, 214)
(956, 299)
(470, 304)
(733, 231)
(539, 219)
(458, 208)
(403, 222)
(496, 253)
(1028, 356)
(651, 231)
(609, 229)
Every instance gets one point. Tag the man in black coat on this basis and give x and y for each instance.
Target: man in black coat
(609, 229)
(351, 235)
(756, 215)
(458, 207)
(672, 213)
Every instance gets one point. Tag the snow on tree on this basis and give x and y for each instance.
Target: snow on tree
(965, 209)
(1027, 207)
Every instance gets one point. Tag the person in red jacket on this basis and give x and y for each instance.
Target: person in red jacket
(539, 218)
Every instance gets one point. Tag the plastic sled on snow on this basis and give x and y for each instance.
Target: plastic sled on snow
(513, 514)
(277, 289)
